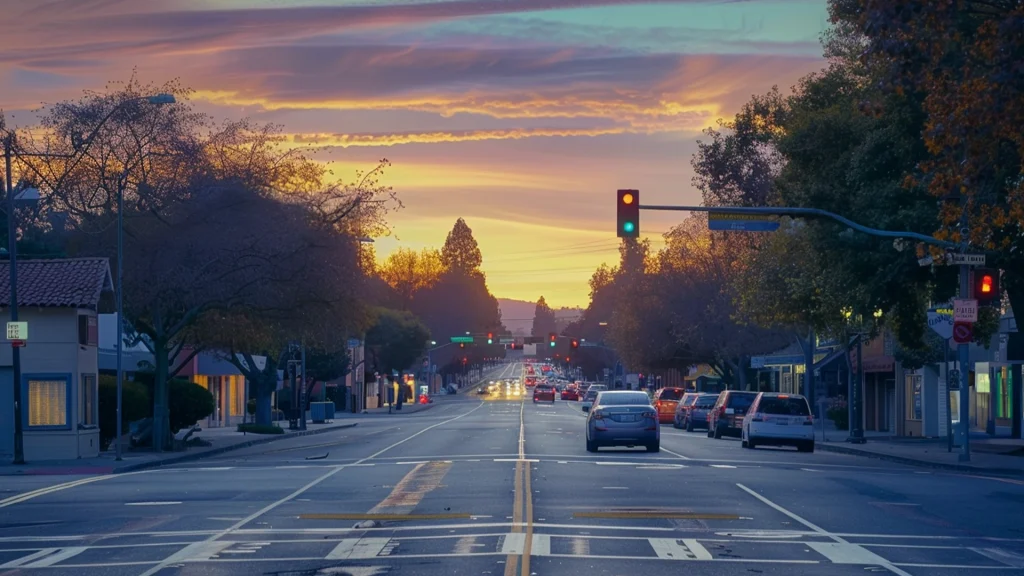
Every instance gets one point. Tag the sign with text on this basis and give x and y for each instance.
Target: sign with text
(967, 259)
(742, 222)
(940, 319)
(965, 310)
(17, 331)
(462, 339)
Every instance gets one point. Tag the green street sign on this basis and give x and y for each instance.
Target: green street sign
(507, 341)
(462, 339)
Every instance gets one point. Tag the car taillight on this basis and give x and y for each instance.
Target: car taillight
(649, 414)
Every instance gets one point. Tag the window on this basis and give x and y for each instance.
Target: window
(783, 406)
(47, 399)
(914, 384)
(87, 400)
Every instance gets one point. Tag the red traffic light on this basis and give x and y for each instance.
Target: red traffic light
(986, 287)
(462, 344)
(575, 343)
(463, 359)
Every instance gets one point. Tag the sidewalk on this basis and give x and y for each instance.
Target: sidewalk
(221, 439)
(1001, 456)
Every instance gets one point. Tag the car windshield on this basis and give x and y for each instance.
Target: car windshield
(785, 406)
(671, 394)
(624, 399)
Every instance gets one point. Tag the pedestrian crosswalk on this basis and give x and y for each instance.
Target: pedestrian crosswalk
(380, 546)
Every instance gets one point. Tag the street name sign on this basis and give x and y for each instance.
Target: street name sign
(962, 332)
(17, 331)
(742, 222)
(965, 310)
(507, 341)
(967, 259)
(462, 339)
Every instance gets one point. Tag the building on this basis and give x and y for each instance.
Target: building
(59, 300)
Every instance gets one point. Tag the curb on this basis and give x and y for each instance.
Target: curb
(918, 463)
(223, 449)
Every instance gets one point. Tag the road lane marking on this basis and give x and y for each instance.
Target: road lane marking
(358, 548)
(528, 551)
(388, 517)
(845, 553)
(674, 549)
(412, 488)
(513, 545)
(541, 545)
(165, 503)
(614, 488)
(19, 562)
(722, 466)
(655, 515)
(1002, 556)
(198, 551)
(663, 449)
(19, 498)
(302, 490)
(838, 539)
(512, 560)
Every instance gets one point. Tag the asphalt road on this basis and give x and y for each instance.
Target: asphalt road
(505, 487)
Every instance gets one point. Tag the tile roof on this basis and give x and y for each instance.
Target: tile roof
(58, 283)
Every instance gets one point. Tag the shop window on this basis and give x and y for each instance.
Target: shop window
(87, 400)
(47, 399)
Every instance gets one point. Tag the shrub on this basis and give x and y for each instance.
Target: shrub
(135, 405)
(258, 429)
(189, 403)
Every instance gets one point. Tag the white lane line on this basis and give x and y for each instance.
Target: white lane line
(220, 534)
(197, 552)
(677, 454)
(846, 551)
(1007, 557)
(18, 562)
(412, 463)
(621, 463)
(19, 498)
(61, 556)
(358, 548)
(167, 503)
(615, 488)
(843, 553)
(674, 549)
(721, 466)
(514, 460)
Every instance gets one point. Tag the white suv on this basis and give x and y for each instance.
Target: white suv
(779, 420)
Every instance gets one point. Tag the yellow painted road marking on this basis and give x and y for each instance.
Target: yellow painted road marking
(656, 515)
(409, 492)
(385, 517)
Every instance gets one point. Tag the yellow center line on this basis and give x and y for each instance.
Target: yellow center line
(528, 549)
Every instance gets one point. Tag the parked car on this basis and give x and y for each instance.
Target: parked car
(623, 418)
(695, 414)
(726, 416)
(779, 420)
(544, 392)
(665, 402)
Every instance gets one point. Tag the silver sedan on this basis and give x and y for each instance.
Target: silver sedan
(623, 418)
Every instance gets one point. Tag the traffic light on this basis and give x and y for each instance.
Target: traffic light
(574, 343)
(513, 345)
(490, 338)
(552, 338)
(627, 208)
(567, 360)
(986, 287)
(462, 344)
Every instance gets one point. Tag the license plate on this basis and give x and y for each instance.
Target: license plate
(627, 418)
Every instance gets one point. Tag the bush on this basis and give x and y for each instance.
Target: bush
(250, 407)
(189, 403)
(258, 429)
(135, 405)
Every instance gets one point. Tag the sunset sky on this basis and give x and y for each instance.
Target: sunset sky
(521, 116)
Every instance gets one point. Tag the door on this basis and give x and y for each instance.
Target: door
(6, 415)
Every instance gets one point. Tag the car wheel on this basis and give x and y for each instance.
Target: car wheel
(717, 435)
(751, 444)
(591, 446)
(656, 447)
(806, 447)
(710, 433)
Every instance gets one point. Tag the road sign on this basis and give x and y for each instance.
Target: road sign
(506, 340)
(354, 343)
(17, 332)
(462, 339)
(967, 259)
(953, 380)
(742, 222)
(965, 310)
(940, 319)
(963, 333)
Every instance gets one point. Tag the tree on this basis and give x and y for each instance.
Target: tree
(461, 252)
(458, 303)
(408, 272)
(396, 340)
(544, 321)
(964, 58)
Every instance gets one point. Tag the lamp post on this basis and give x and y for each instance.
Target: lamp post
(856, 387)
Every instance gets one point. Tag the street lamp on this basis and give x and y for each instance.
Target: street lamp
(855, 389)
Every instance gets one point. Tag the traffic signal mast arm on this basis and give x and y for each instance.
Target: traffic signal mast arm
(793, 211)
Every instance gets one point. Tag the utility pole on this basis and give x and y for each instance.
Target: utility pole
(963, 352)
(302, 408)
(12, 251)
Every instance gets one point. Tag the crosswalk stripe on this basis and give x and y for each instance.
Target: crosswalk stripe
(62, 555)
(541, 545)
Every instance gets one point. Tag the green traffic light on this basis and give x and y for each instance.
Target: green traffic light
(628, 227)
(489, 341)
(552, 344)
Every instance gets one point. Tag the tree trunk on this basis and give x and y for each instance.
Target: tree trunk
(264, 385)
(161, 414)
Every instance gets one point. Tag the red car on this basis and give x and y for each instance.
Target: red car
(571, 393)
(544, 392)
